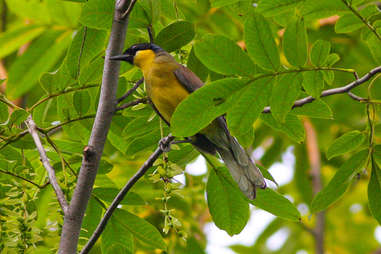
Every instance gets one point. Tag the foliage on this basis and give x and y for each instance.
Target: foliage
(251, 54)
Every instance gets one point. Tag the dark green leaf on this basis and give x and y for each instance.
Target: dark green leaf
(284, 94)
(221, 3)
(275, 7)
(374, 46)
(292, 126)
(141, 229)
(374, 191)
(260, 42)
(97, 14)
(205, 104)
(116, 238)
(86, 44)
(229, 210)
(4, 113)
(247, 106)
(350, 141)
(104, 167)
(276, 204)
(108, 195)
(319, 52)
(313, 83)
(339, 183)
(312, 9)
(175, 35)
(196, 66)
(81, 101)
(91, 219)
(17, 117)
(91, 73)
(222, 55)
(316, 109)
(295, 43)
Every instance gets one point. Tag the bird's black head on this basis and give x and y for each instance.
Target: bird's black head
(130, 53)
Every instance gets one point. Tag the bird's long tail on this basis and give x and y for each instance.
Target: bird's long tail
(241, 167)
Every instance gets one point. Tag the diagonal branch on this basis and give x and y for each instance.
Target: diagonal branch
(338, 90)
(133, 89)
(132, 103)
(45, 161)
(147, 164)
(24, 179)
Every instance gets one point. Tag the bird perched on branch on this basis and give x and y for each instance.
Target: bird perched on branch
(167, 84)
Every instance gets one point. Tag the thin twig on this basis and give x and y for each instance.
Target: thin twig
(132, 103)
(24, 179)
(149, 29)
(147, 164)
(133, 89)
(129, 10)
(355, 97)
(45, 161)
(338, 90)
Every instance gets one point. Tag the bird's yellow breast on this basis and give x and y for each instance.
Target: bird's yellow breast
(162, 86)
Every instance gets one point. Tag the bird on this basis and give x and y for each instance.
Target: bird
(168, 83)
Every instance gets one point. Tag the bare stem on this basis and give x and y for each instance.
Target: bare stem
(133, 89)
(24, 179)
(147, 164)
(344, 89)
(45, 161)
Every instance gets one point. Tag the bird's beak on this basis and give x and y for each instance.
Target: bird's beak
(126, 57)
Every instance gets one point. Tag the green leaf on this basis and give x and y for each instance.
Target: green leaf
(260, 42)
(40, 57)
(271, 8)
(295, 43)
(339, 183)
(86, 44)
(13, 39)
(108, 195)
(222, 55)
(276, 204)
(139, 18)
(196, 66)
(315, 109)
(319, 52)
(116, 238)
(175, 35)
(292, 126)
(348, 23)
(81, 101)
(313, 83)
(97, 14)
(374, 46)
(205, 104)
(4, 113)
(247, 106)
(17, 117)
(221, 3)
(284, 94)
(91, 219)
(229, 209)
(348, 142)
(332, 59)
(374, 191)
(312, 9)
(141, 229)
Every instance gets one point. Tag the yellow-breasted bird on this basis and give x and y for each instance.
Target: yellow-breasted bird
(167, 84)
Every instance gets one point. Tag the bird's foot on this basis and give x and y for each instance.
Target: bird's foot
(165, 143)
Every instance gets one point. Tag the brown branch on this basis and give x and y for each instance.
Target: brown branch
(45, 161)
(93, 151)
(24, 179)
(338, 90)
(150, 34)
(147, 164)
(315, 163)
(130, 7)
(133, 89)
(132, 103)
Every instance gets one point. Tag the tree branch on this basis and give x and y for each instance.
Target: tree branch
(45, 161)
(132, 103)
(93, 152)
(315, 164)
(165, 142)
(338, 90)
(133, 89)
(24, 179)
